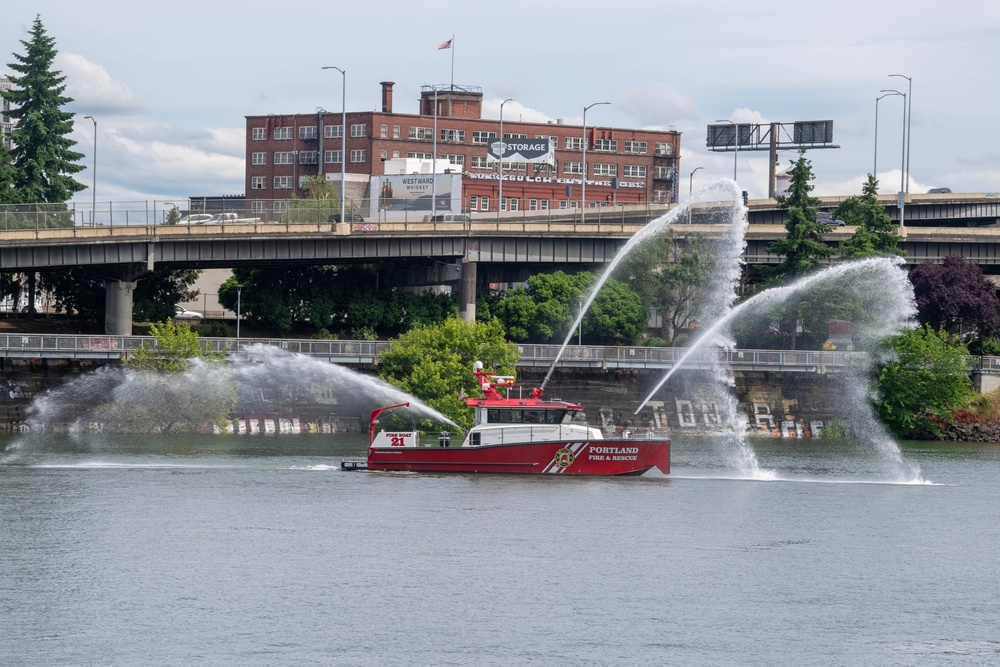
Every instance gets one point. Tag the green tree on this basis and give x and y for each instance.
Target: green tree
(434, 363)
(43, 158)
(175, 346)
(803, 247)
(876, 232)
(83, 291)
(924, 383)
(318, 204)
(8, 193)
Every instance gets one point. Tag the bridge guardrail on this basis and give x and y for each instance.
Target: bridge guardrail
(70, 346)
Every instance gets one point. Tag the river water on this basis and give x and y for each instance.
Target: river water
(219, 550)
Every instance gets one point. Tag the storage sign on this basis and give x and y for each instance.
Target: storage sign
(537, 151)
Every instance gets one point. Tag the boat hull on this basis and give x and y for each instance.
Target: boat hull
(596, 457)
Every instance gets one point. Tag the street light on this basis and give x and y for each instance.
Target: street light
(736, 143)
(909, 118)
(583, 188)
(901, 199)
(93, 189)
(875, 163)
(239, 294)
(343, 139)
(502, 150)
(690, 190)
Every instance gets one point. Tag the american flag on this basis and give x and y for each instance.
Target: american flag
(445, 45)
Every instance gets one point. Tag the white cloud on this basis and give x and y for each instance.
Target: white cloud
(657, 104)
(93, 89)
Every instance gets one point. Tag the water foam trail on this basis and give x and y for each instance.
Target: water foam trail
(725, 188)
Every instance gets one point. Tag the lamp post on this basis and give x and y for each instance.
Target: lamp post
(736, 143)
(502, 150)
(239, 294)
(909, 117)
(343, 138)
(93, 189)
(875, 163)
(583, 187)
(690, 190)
(901, 198)
(579, 329)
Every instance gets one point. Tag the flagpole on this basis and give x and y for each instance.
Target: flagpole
(453, 62)
(434, 155)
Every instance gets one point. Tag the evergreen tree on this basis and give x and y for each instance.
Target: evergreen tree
(803, 248)
(876, 232)
(8, 195)
(43, 158)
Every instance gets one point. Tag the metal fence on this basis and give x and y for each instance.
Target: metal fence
(242, 211)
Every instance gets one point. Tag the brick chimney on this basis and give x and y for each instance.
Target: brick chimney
(387, 96)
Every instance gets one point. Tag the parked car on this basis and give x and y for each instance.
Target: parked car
(939, 191)
(447, 217)
(182, 313)
(351, 217)
(195, 219)
(826, 218)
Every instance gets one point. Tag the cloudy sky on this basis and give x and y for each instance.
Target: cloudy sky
(171, 83)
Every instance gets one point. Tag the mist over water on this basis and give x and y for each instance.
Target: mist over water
(116, 400)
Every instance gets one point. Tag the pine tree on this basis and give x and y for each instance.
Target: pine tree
(876, 232)
(43, 158)
(803, 247)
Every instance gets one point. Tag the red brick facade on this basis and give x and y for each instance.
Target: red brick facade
(281, 149)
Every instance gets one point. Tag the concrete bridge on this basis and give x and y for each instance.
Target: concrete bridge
(505, 248)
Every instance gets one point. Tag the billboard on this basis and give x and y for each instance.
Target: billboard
(416, 192)
(541, 150)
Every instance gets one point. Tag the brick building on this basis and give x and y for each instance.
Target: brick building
(625, 166)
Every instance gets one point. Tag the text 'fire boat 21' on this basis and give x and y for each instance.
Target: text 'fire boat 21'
(516, 435)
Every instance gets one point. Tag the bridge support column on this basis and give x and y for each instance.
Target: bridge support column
(467, 291)
(118, 307)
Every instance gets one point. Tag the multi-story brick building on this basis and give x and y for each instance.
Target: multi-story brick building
(625, 166)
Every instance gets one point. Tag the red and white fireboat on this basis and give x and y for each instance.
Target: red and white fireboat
(516, 435)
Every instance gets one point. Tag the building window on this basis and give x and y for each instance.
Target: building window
(509, 204)
(484, 203)
(283, 157)
(258, 133)
(308, 157)
(453, 135)
(333, 157)
(395, 154)
(635, 147)
(664, 148)
(512, 135)
(634, 170)
(661, 196)
(383, 155)
(307, 132)
(480, 162)
(538, 204)
(607, 145)
(258, 206)
(663, 173)
(421, 156)
(515, 166)
(479, 137)
(358, 155)
(572, 167)
(601, 169)
(455, 159)
(259, 159)
(258, 182)
(358, 130)
(282, 182)
(395, 131)
(383, 131)
(333, 131)
(279, 206)
(422, 133)
(474, 203)
(574, 143)
(282, 133)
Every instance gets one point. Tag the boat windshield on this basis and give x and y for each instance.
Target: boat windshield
(528, 416)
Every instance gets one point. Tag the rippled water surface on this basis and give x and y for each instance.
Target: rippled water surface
(260, 551)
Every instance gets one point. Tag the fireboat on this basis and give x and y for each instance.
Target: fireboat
(514, 435)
